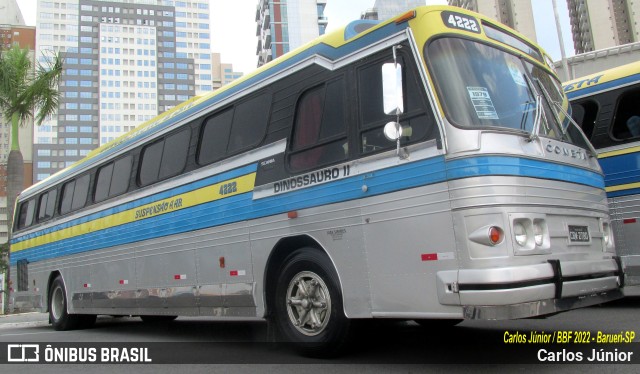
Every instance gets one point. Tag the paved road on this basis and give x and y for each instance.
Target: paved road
(378, 346)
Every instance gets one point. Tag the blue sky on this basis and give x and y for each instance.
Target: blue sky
(233, 30)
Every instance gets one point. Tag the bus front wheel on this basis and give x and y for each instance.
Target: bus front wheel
(60, 319)
(308, 304)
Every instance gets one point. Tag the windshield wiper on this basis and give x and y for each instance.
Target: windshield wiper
(555, 104)
(538, 114)
(547, 96)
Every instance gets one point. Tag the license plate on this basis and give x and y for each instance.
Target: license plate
(578, 234)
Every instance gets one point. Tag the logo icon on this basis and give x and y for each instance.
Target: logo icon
(23, 353)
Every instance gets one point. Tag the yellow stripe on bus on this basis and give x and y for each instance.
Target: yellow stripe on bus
(622, 187)
(202, 195)
(620, 152)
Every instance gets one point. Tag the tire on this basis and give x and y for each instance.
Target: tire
(308, 305)
(58, 316)
(157, 319)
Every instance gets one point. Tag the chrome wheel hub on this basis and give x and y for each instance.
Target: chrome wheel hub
(308, 303)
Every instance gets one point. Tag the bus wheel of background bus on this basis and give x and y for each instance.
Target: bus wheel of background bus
(436, 324)
(60, 319)
(308, 304)
(157, 319)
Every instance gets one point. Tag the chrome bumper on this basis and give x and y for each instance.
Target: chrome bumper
(533, 290)
(538, 308)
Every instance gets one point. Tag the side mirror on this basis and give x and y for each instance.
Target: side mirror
(392, 131)
(392, 89)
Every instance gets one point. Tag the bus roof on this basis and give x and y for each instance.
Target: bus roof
(603, 81)
(332, 46)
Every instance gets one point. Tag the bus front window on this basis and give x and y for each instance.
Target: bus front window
(481, 86)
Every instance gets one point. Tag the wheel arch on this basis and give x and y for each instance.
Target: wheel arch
(283, 248)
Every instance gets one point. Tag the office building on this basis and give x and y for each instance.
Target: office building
(516, 14)
(124, 63)
(222, 73)
(283, 25)
(10, 13)
(385, 9)
(601, 24)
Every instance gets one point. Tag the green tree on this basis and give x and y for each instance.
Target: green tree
(25, 93)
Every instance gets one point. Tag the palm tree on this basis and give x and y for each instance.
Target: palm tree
(25, 93)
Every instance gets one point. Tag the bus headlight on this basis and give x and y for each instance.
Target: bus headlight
(538, 232)
(520, 234)
(530, 234)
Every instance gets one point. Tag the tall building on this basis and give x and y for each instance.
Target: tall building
(516, 14)
(124, 63)
(600, 24)
(222, 73)
(384, 9)
(283, 25)
(10, 13)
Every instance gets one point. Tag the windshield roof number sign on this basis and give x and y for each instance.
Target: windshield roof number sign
(460, 21)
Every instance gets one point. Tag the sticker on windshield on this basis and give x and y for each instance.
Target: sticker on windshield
(516, 74)
(482, 103)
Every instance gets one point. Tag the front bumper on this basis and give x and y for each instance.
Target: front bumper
(538, 308)
(533, 290)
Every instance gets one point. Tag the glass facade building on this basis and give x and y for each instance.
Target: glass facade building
(124, 63)
(283, 25)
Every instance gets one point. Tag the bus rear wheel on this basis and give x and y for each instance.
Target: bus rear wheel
(308, 304)
(58, 315)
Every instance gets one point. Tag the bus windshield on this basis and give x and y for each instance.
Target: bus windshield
(482, 86)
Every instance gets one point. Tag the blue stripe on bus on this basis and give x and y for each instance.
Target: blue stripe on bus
(621, 193)
(591, 90)
(321, 49)
(500, 165)
(143, 201)
(621, 169)
(242, 207)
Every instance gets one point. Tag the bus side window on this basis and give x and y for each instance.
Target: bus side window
(585, 114)
(27, 212)
(249, 123)
(46, 206)
(627, 119)
(81, 192)
(416, 121)
(113, 179)
(67, 197)
(215, 137)
(234, 129)
(319, 131)
(74, 194)
(174, 155)
(165, 159)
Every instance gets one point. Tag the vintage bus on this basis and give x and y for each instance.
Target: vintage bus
(319, 190)
(607, 107)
